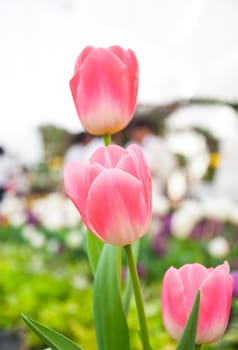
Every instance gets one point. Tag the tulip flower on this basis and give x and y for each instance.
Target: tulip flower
(179, 290)
(104, 88)
(112, 193)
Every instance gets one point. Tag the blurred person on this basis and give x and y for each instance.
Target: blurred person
(77, 147)
(21, 180)
(160, 160)
(83, 145)
(6, 172)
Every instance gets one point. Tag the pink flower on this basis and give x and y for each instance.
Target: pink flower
(178, 293)
(104, 88)
(112, 193)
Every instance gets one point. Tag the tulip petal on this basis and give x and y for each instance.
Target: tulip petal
(116, 207)
(83, 55)
(81, 58)
(119, 52)
(132, 65)
(134, 166)
(77, 179)
(130, 60)
(74, 82)
(216, 293)
(134, 163)
(192, 276)
(173, 303)
(143, 171)
(108, 156)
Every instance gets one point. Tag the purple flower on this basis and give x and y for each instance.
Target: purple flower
(234, 275)
(31, 218)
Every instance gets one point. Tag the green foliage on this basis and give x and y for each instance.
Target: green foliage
(55, 140)
(52, 240)
(55, 288)
(55, 340)
(110, 321)
(94, 248)
(179, 252)
(187, 340)
(45, 178)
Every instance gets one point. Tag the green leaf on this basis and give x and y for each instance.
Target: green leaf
(94, 249)
(187, 340)
(53, 339)
(109, 318)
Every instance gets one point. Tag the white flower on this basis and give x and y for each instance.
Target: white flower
(33, 236)
(53, 246)
(181, 225)
(80, 282)
(55, 211)
(13, 208)
(218, 247)
(48, 211)
(185, 218)
(17, 219)
(28, 231)
(74, 239)
(38, 240)
(233, 214)
(217, 208)
(160, 205)
(11, 204)
(71, 214)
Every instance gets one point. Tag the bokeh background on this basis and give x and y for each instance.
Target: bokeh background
(188, 86)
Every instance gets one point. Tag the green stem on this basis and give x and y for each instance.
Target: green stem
(128, 287)
(107, 139)
(198, 346)
(138, 297)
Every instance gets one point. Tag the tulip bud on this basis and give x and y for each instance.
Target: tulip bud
(179, 290)
(104, 88)
(112, 193)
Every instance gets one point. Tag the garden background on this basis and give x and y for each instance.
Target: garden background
(187, 55)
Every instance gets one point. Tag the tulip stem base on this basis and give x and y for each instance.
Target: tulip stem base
(107, 139)
(138, 297)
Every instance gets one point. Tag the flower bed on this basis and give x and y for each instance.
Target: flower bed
(52, 281)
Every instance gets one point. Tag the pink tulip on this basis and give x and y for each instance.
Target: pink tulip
(112, 193)
(178, 293)
(104, 88)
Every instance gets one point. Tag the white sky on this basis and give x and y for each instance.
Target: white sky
(184, 48)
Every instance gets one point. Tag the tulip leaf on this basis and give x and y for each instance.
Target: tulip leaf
(187, 340)
(94, 248)
(109, 318)
(53, 339)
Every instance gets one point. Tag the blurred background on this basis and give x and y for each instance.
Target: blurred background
(188, 91)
